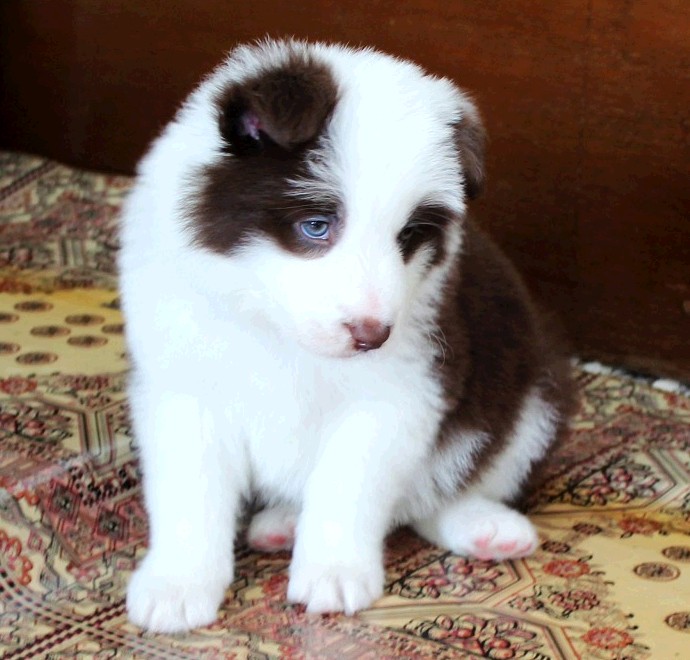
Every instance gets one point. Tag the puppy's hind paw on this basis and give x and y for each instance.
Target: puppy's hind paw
(481, 528)
(169, 604)
(504, 537)
(272, 530)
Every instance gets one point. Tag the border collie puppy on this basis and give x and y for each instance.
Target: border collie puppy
(315, 324)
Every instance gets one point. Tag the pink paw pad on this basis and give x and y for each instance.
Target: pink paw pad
(271, 535)
(483, 542)
(272, 530)
(486, 549)
(271, 542)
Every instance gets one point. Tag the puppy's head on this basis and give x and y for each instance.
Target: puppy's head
(337, 188)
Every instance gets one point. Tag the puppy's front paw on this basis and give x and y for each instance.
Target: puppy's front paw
(169, 604)
(335, 588)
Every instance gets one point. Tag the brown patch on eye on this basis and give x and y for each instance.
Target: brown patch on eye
(271, 125)
(242, 199)
(425, 228)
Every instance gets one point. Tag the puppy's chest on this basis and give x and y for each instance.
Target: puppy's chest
(279, 407)
(289, 409)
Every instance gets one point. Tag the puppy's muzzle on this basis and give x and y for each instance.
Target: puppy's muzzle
(368, 333)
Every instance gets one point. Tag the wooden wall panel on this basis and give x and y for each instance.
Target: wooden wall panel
(634, 207)
(586, 101)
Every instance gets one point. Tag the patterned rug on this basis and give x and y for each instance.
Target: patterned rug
(611, 578)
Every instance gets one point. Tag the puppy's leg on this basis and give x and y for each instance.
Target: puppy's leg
(273, 529)
(478, 523)
(192, 496)
(367, 461)
(479, 527)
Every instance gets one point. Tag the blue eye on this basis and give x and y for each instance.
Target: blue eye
(317, 228)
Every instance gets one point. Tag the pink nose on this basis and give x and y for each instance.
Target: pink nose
(368, 334)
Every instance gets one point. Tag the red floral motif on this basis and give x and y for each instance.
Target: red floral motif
(275, 585)
(634, 525)
(451, 576)
(608, 638)
(80, 216)
(81, 383)
(72, 216)
(18, 490)
(621, 480)
(499, 638)
(567, 568)
(10, 284)
(84, 573)
(435, 583)
(291, 651)
(555, 603)
(35, 542)
(45, 423)
(574, 600)
(17, 385)
(527, 603)
(11, 550)
(614, 475)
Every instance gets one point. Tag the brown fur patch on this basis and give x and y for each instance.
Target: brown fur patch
(288, 103)
(425, 227)
(270, 124)
(470, 139)
(497, 350)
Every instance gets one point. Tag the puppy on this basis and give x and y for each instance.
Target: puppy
(314, 322)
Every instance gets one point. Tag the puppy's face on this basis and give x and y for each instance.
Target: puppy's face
(339, 187)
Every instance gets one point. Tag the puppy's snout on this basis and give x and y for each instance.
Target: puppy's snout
(368, 333)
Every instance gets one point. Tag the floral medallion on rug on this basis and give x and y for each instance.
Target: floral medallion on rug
(610, 580)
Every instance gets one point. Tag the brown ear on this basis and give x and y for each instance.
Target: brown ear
(470, 139)
(285, 107)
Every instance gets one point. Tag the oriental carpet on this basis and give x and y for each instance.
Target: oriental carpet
(610, 580)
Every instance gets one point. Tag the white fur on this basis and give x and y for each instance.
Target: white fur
(245, 380)
(533, 432)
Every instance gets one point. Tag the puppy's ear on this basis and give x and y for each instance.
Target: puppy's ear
(470, 139)
(281, 109)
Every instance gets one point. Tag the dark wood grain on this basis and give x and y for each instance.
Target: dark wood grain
(586, 102)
